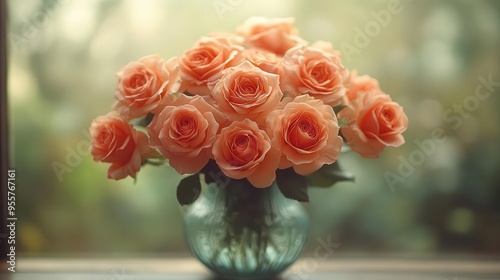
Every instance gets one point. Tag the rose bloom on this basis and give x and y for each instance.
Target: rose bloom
(204, 63)
(146, 86)
(361, 84)
(314, 71)
(115, 141)
(245, 91)
(375, 121)
(276, 35)
(306, 131)
(185, 131)
(242, 150)
(266, 61)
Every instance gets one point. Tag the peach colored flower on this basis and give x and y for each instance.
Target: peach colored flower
(361, 84)
(306, 132)
(204, 63)
(146, 86)
(266, 61)
(245, 91)
(115, 141)
(185, 131)
(375, 121)
(242, 150)
(276, 35)
(314, 71)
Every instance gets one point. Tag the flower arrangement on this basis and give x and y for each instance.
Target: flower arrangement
(260, 106)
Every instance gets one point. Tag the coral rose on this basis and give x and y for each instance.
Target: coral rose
(146, 86)
(266, 61)
(242, 150)
(185, 131)
(204, 63)
(306, 131)
(375, 121)
(316, 72)
(361, 84)
(276, 35)
(245, 91)
(115, 141)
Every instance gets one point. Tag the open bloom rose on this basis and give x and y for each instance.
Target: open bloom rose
(184, 132)
(245, 91)
(316, 72)
(306, 132)
(275, 35)
(375, 121)
(266, 61)
(204, 63)
(361, 84)
(146, 86)
(115, 141)
(242, 150)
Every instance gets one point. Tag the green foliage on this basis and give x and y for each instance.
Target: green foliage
(292, 185)
(328, 175)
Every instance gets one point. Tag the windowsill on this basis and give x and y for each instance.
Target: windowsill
(189, 268)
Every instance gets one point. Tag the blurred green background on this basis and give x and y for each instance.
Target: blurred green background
(429, 57)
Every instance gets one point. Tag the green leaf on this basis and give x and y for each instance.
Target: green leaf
(145, 121)
(329, 174)
(316, 179)
(343, 122)
(334, 171)
(189, 189)
(292, 185)
(338, 108)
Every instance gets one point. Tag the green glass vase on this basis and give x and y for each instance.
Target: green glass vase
(242, 232)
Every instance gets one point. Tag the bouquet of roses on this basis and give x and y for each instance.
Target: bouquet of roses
(261, 105)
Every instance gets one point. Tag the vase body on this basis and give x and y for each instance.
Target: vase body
(239, 231)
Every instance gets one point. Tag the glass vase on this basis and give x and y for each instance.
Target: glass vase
(239, 231)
